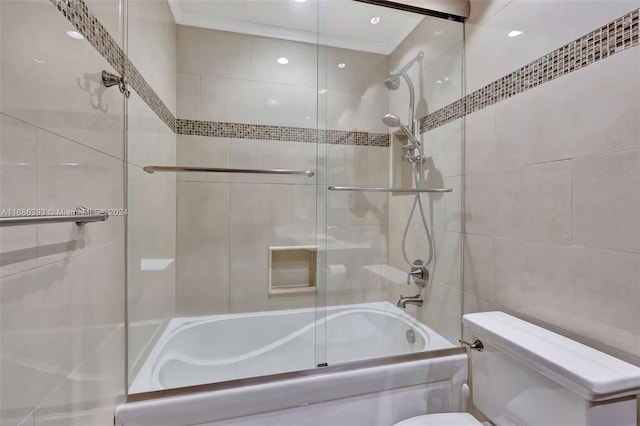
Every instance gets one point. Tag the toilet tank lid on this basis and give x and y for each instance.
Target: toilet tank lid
(592, 374)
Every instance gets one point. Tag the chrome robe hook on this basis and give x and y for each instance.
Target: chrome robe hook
(109, 79)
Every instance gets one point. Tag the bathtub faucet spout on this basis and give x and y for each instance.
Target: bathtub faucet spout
(415, 300)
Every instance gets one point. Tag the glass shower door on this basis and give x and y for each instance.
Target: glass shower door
(381, 92)
(224, 275)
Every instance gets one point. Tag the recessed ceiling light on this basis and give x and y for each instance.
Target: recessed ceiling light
(363, 97)
(342, 65)
(307, 118)
(375, 20)
(283, 61)
(75, 34)
(38, 60)
(299, 1)
(439, 31)
(439, 81)
(514, 33)
(446, 79)
(322, 91)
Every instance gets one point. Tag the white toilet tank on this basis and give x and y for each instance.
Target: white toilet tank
(527, 375)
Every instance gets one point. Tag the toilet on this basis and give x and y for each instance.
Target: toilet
(526, 375)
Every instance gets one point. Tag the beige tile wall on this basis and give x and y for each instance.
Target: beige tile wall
(151, 46)
(223, 256)
(61, 286)
(237, 79)
(552, 179)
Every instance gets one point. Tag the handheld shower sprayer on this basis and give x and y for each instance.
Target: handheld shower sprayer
(392, 120)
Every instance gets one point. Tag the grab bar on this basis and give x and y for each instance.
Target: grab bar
(81, 216)
(375, 189)
(151, 169)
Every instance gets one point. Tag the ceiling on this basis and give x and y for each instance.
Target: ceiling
(346, 24)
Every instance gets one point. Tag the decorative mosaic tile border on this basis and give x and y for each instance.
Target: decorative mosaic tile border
(605, 41)
(279, 133)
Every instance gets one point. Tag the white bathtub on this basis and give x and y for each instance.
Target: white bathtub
(210, 349)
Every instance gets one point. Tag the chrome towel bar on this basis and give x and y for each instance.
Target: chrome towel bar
(375, 189)
(81, 216)
(151, 169)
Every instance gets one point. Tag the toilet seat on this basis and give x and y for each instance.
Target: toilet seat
(441, 419)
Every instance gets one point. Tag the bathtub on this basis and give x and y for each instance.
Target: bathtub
(217, 348)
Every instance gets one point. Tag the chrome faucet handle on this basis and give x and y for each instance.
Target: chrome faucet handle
(419, 273)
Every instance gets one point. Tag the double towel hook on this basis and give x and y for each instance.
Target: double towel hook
(109, 80)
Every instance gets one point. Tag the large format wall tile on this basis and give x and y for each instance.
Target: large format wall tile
(570, 287)
(543, 26)
(301, 70)
(444, 145)
(150, 141)
(256, 102)
(531, 203)
(227, 54)
(481, 194)
(202, 151)
(612, 83)
(530, 129)
(527, 273)
(18, 182)
(248, 268)
(534, 202)
(258, 154)
(53, 81)
(151, 43)
(480, 141)
(607, 294)
(151, 238)
(71, 175)
(478, 266)
(590, 14)
(202, 273)
(362, 71)
(606, 201)
(55, 316)
(188, 101)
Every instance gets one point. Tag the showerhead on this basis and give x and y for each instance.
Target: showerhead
(393, 82)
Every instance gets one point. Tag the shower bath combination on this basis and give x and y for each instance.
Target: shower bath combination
(413, 153)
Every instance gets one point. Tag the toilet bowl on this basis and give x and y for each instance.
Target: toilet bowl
(526, 375)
